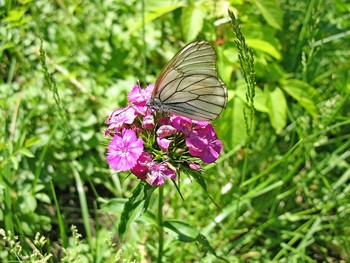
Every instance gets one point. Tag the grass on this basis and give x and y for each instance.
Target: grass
(283, 191)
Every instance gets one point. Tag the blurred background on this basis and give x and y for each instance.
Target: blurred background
(283, 193)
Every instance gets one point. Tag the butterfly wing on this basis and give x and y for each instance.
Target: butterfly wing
(189, 85)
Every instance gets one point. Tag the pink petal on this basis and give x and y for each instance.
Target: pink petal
(163, 144)
(142, 166)
(148, 122)
(182, 124)
(124, 150)
(119, 117)
(139, 96)
(155, 178)
(165, 131)
(168, 170)
(195, 166)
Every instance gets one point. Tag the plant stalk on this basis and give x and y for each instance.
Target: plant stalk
(160, 224)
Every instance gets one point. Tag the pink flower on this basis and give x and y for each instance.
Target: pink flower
(138, 97)
(211, 153)
(165, 131)
(154, 173)
(142, 166)
(163, 121)
(148, 122)
(163, 143)
(201, 123)
(204, 143)
(119, 117)
(137, 135)
(158, 172)
(182, 124)
(124, 150)
(195, 166)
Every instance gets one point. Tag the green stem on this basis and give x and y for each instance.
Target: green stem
(144, 40)
(160, 224)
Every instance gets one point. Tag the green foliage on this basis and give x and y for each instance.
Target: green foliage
(282, 189)
(136, 205)
(10, 245)
(246, 61)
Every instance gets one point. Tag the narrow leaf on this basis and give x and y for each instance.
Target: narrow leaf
(187, 233)
(32, 141)
(183, 231)
(206, 247)
(135, 206)
(26, 152)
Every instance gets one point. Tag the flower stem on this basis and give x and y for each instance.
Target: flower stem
(160, 224)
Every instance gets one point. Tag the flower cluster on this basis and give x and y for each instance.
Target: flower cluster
(155, 146)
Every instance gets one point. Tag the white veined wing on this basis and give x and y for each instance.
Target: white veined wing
(189, 84)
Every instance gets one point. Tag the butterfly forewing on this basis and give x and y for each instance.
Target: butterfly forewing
(196, 58)
(189, 85)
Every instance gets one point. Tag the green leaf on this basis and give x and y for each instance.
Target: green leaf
(28, 203)
(260, 99)
(26, 152)
(43, 198)
(183, 231)
(206, 247)
(272, 71)
(114, 205)
(192, 22)
(32, 141)
(187, 233)
(302, 92)
(198, 176)
(271, 11)
(277, 105)
(135, 206)
(264, 46)
(14, 15)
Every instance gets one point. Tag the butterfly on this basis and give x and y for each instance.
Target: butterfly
(189, 84)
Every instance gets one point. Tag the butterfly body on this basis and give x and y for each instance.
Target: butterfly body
(189, 85)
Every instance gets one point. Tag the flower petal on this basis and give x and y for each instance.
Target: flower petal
(163, 144)
(142, 166)
(148, 122)
(165, 131)
(182, 124)
(155, 178)
(168, 170)
(119, 117)
(124, 150)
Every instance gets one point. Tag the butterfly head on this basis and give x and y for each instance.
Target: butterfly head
(155, 103)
